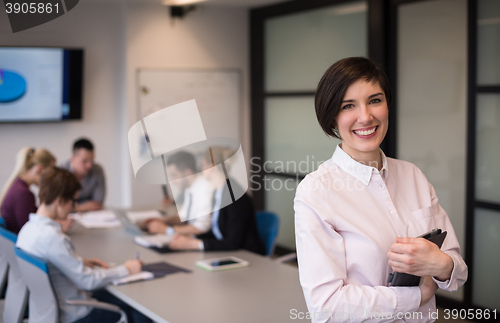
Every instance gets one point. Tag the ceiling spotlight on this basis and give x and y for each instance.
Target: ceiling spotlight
(181, 3)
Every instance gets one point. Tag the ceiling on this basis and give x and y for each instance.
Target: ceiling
(230, 3)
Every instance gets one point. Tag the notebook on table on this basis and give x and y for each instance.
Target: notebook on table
(151, 271)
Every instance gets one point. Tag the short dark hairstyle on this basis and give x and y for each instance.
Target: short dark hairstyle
(334, 83)
(58, 182)
(83, 143)
(183, 160)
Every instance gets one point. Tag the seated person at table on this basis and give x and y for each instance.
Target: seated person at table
(71, 275)
(89, 174)
(197, 201)
(234, 226)
(16, 200)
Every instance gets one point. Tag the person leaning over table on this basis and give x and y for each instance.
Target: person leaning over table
(16, 199)
(234, 225)
(194, 214)
(71, 275)
(355, 214)
(90, 175)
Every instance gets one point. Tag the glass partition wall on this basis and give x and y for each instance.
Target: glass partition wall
(483, 221)
(443, 58)
(298, 47)
(432, 99)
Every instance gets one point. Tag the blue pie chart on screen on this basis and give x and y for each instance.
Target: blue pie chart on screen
(12, 86)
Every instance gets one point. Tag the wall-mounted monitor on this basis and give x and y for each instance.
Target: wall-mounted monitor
(40, 84)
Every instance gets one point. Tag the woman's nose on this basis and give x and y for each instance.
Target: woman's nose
(364, 115)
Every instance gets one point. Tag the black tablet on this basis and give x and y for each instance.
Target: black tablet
(401, 279)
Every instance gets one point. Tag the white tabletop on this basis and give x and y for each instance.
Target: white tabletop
(265, 291)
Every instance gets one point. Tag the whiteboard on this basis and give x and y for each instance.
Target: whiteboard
(217, 93)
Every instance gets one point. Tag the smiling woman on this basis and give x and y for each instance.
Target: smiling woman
(351, 236)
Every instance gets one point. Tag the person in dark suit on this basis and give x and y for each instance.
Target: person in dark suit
(233, 224)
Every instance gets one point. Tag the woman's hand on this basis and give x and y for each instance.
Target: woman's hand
(93, 262)
(182, 242)
(66, 224)
(157, 227)
(133, 266)
(145, 223)
(428, 288)
(420, 257)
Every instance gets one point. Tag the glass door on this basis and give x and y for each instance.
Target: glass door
(297, 48)
(483, 222)
(431, 100)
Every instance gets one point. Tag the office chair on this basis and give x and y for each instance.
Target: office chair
(267, 226)
(44, 306)
(4, 265)
(16, 296)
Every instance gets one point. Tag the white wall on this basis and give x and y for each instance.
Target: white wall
(210, 37)
(98, 28)
(118, 38)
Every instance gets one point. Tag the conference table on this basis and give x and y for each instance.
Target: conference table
(265, 291)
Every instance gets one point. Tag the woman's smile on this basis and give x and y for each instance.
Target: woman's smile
(365, 133)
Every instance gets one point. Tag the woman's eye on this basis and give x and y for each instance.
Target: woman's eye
(347, 106)
(375, 101)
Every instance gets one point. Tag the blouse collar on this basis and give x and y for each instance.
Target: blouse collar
(356, 169)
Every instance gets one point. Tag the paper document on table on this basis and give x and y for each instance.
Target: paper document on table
(157, 240)
(137, 216)
(99, 219)
(143, 275)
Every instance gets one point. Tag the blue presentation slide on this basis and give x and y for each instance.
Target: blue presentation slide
(31, 84)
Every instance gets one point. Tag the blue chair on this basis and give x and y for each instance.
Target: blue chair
(16, 296)
(268, 225)
(44, 306)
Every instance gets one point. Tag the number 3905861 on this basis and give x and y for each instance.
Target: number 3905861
(32, 7)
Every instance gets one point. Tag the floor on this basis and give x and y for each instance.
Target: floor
(440, 319)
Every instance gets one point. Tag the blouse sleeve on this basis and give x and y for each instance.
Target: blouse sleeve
(450, 247)
(323, 273)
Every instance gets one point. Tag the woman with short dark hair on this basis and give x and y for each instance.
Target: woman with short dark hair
(354, 216)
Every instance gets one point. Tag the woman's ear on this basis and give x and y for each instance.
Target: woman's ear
(39, 168)
(57, 202)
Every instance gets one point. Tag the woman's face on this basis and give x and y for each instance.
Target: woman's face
(363, 119)
(40, 169)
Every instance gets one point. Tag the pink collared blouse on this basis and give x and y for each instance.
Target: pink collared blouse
(347, 216)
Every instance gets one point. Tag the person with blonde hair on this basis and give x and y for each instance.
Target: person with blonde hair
(16, 199)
